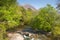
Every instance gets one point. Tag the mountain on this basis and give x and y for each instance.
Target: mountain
(27, 6)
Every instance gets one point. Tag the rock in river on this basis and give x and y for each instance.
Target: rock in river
(15, 36)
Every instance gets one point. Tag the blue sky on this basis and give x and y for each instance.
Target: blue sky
(37, 3)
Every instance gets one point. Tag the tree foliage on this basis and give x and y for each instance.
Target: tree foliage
(45, 19)
(56, 30)
(9, 15)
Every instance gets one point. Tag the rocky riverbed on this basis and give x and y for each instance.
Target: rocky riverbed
(26, 36)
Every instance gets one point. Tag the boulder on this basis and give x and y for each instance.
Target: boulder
(15, 36)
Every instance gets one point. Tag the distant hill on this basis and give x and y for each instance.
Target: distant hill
(26, 6)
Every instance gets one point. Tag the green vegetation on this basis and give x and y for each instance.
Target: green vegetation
(45, 19)
(12, 15)
(9, 16)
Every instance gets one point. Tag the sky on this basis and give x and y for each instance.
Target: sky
(37, 3)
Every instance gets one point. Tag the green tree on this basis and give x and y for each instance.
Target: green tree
(29, 16)
(10, 15)
(56, 30)
(45, 19)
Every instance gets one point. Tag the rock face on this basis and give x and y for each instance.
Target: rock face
(15, 36)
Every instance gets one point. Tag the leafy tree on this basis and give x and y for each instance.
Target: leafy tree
(45, 20)
(29, 16)
(10, 15)
(56, 30)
